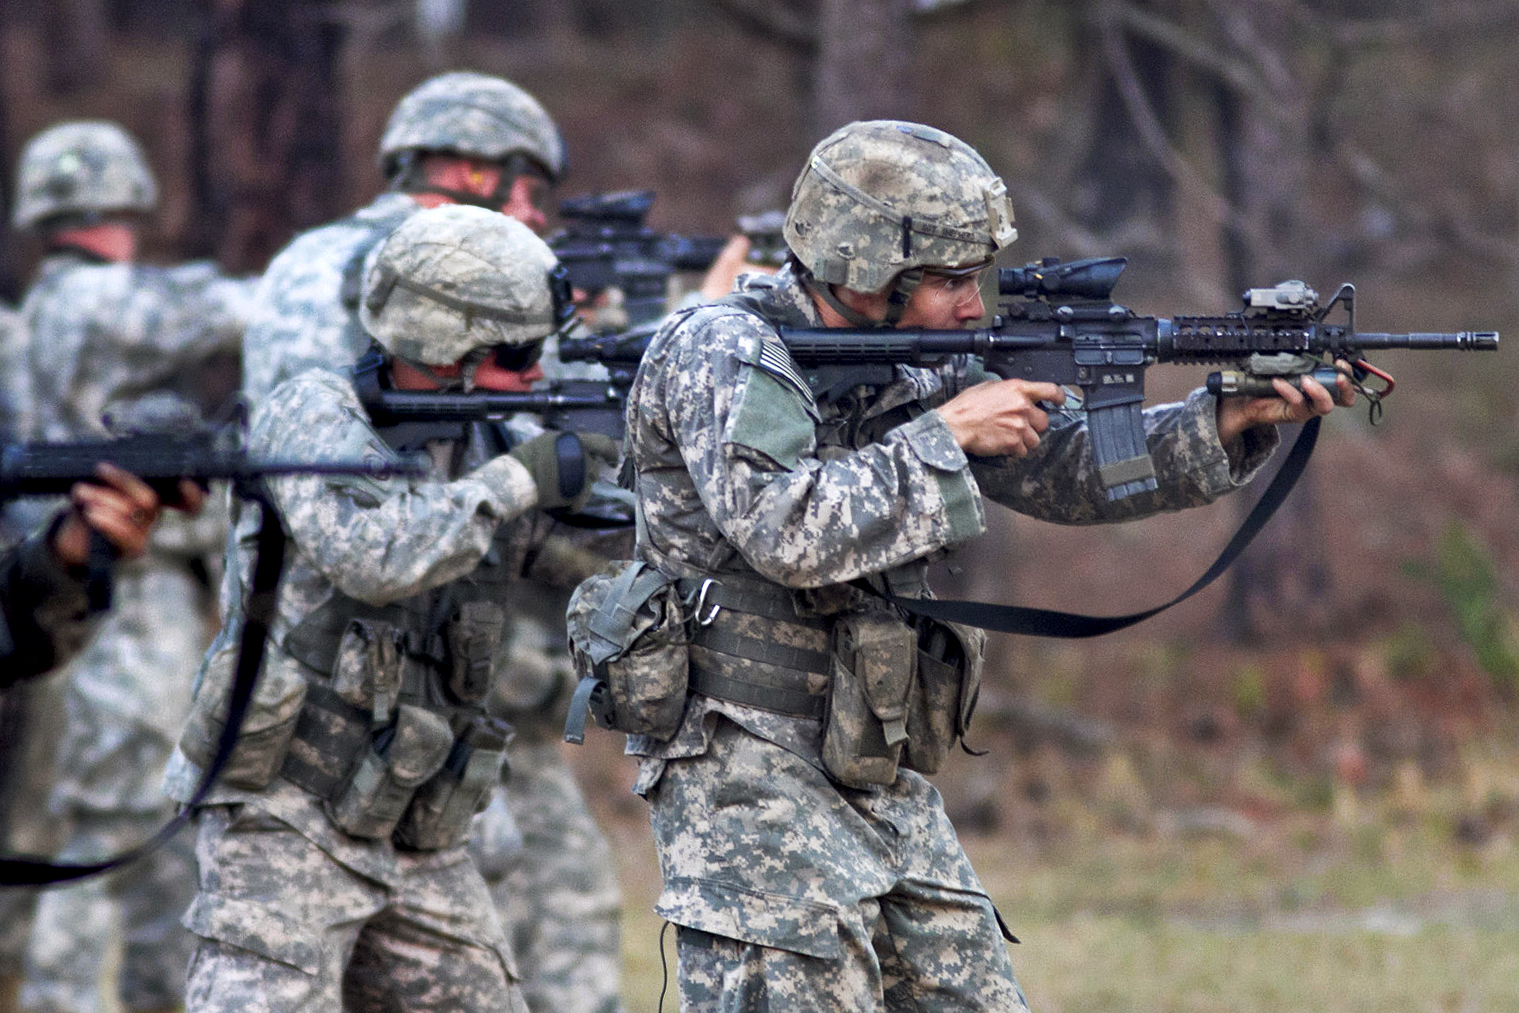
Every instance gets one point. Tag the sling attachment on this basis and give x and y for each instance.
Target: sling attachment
(269, 561)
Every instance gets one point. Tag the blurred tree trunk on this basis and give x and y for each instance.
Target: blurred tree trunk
(864, 62)
(76, 36)
(266, 149)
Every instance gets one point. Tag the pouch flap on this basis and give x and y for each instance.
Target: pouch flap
(255, 927)
(735, 911)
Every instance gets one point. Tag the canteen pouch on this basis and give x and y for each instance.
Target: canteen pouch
(399, 759)
(267, 727)
(443, 808)
(474, 639)
(874, 662)
(944, 694)
(630, 644)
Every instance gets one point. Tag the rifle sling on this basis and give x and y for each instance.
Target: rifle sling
(268, 562)
(1040, 622)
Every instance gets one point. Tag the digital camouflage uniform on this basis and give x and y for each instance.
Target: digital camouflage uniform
(301, 320)
(561, 901)
(333, 859)
(101, 334)
(287, 900)
(792, 891)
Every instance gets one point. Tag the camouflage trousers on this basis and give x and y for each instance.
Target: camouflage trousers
(76, 926)
(285, 927)
(793, 893)
(560, 900)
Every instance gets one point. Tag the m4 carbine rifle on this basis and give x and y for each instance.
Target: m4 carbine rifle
(605, 243)
(1059, 324)
(202, 455)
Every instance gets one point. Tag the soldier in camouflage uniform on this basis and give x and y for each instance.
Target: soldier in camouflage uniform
(473, 139)
(806, 866)
(333, 863)
(101, 329)
(461, 138)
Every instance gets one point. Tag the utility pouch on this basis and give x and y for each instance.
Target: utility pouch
(944, 694)
(367, 668)
(267, 727)
(630, 644)
(401, 757)
(443, 808)
(474, 639)
(874, 663)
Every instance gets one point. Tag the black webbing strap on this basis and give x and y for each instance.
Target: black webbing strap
(268, 562)
(779, 699)
(1071, 625)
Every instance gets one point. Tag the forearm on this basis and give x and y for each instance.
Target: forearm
(1059, 481)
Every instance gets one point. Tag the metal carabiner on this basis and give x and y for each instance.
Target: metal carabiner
(701, 602)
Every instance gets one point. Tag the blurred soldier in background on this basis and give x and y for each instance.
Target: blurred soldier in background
(101, 329)
(332, 859)
(469, 138)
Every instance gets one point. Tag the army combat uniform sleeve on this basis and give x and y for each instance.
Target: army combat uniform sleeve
(378, 540)
(1059, 481)
(744, 424)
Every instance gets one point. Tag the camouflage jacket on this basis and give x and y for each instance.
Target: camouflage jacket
(97, 333)
(374, 540)
(302, 320)
(741, 470)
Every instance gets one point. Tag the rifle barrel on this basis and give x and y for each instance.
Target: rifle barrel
(431, 407)
(1465, 341)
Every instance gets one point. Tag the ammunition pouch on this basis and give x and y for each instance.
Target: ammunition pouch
(394, 740)
(443, 807)
(399, 759)
(268, 725)
(874, 665)
(943, 696)
(889, 693)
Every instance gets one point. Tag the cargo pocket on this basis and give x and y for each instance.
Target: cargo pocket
(735, 911)
(258, 928)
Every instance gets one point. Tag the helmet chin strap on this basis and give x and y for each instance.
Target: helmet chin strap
(896, 302)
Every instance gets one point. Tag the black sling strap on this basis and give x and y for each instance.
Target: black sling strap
(1040, 622)
(268, 562)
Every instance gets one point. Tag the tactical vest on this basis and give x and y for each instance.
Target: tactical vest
(393, 734)
(887, 689)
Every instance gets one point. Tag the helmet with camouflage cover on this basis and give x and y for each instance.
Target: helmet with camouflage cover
(878, 198)
(454, 279)
(476, 115)
(83, 169)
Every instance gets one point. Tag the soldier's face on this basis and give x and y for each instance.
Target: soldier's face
(945, 300)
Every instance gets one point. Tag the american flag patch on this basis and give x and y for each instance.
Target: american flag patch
(774, 359)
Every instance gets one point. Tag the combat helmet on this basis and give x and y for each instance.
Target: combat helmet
(879, 200)
(476, 115)
(82, 170)
(455, 279)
